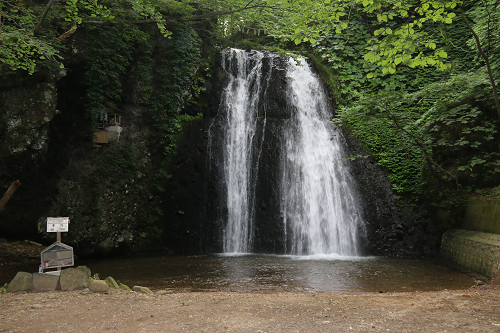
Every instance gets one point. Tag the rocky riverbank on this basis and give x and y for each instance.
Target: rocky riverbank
(19, 252)
(472, 310)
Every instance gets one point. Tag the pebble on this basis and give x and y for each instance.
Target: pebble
(36, 306)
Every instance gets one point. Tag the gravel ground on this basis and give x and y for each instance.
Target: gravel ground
(473, 310)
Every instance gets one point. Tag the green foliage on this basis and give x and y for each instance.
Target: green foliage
(447, 128)
(117, 166)
(20, 49)
(372, 122)
(22, 46)
(403, 37)
(109, 55)
(178, 66)
(433, 131)
(486, 18)
(29, 29)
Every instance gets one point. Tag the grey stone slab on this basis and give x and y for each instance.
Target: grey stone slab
(21, 282)
(45, 282)
(75, 278)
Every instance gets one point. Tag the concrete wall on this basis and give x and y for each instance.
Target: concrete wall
(477, 245)
(474, 250)
(482, 215)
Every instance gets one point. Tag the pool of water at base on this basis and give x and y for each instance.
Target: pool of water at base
(275, 273)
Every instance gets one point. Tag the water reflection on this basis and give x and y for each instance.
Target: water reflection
(270, 272)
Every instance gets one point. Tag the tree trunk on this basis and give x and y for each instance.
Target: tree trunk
(10, 191)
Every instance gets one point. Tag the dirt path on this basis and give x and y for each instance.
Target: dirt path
(473, 310)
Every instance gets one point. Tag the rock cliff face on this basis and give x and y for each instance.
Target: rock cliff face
(196, 208)
(45, 144)
(27, 107)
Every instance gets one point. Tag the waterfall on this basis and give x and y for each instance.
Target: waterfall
(240, 101)
(316, 210)
(318, 203)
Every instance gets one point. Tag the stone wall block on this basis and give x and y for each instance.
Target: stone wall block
(21, 282)
(75, 278)
(45, 282)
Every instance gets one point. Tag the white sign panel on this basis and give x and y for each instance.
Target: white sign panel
(57, 224)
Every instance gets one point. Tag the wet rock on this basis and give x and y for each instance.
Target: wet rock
(21, 282)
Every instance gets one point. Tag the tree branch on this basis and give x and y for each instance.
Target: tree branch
(42, 18)
(10, 191)
(486, 60)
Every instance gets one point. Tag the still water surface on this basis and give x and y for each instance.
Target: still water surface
(278, 273)
(271, 272)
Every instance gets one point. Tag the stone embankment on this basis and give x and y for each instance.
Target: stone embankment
(476, 245)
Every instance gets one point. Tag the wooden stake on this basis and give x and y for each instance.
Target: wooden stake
(59, 240)
(10, 191)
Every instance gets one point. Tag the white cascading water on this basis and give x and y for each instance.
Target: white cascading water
(240, 100)
(319, 209)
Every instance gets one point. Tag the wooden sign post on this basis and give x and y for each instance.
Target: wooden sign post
(58, 225)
